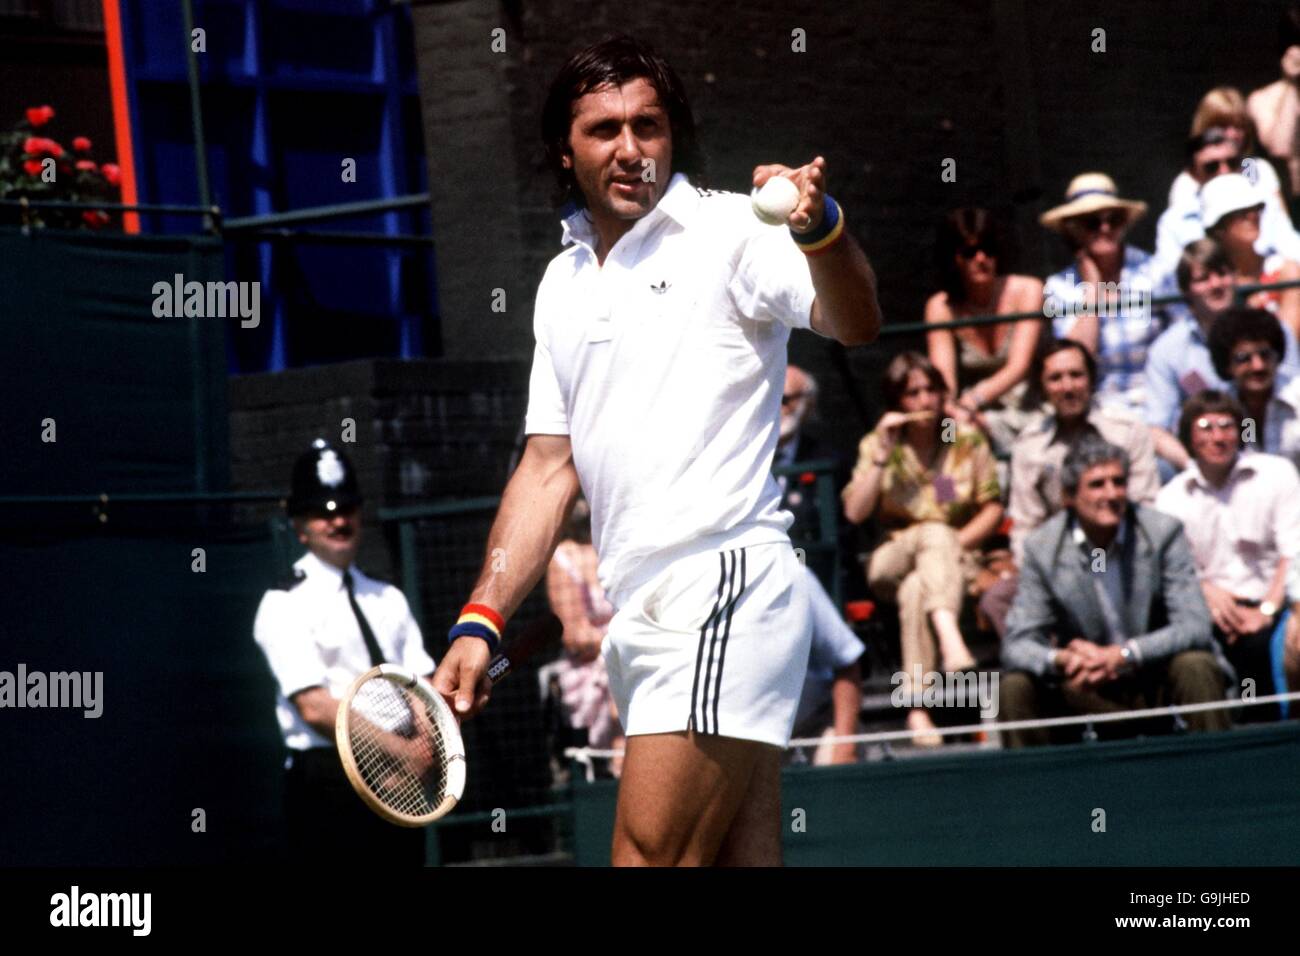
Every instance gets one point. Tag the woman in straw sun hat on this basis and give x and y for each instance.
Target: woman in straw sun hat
(1103, 298)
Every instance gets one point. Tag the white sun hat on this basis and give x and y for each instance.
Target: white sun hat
(1231, 192)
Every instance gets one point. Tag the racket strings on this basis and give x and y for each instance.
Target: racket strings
(398, 747)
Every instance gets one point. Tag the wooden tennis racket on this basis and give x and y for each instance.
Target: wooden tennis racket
(400, 742)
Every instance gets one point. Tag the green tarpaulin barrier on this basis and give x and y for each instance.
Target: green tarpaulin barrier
(1230, 799)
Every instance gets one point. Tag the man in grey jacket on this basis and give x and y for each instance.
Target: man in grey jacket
(1109, 615)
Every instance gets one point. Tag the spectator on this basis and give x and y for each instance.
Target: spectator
(1230, 208)
(1109, 615)
(1242, 519)
(579, 601)
(1275, 108)
(985, 365)
(832, 689)
(1225, 108)
(794, 445)
(933, 490)
(1245, 345)
(1103, 298)
(1179, 363)
(1066, 372)
(832, 692)
(1217, 152)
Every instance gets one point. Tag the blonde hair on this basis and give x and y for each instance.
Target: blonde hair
(1225, 106)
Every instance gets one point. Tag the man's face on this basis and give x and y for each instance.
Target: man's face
(1209, 293)
(1253, 364)
(1101, 497)
(795, 402)
(1066, 385)
(1214, 440)
(1211, 161)
(620, 149)
(332, 537)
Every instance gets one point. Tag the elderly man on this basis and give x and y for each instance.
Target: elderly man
(832, 692)
(1109, 615)
(1215, 153)
(1242, 517)
(1067, 373)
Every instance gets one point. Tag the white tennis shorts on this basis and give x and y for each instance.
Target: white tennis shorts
(717, 642)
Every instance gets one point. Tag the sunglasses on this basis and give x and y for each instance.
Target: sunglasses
(1092, 223)
(969, 252)
(1243, 357)
(1215, 424)
(1213, 167)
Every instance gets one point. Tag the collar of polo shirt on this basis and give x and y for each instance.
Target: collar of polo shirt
(679, 203)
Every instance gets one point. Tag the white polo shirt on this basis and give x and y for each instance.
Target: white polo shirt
(665, 368)
(1239, 532)
(311, 638)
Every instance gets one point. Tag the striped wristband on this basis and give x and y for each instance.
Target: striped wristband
(826, 234)
(478, 620)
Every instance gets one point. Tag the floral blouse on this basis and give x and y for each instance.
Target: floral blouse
(964, 479)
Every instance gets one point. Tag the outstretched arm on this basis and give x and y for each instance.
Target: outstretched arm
(845, 308)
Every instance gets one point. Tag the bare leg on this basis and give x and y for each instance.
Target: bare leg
(755, 835)
(679, 795)
(956, 655)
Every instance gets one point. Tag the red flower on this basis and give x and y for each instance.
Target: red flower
(112, 173)
(807, 478)
(39, 145)
(40, 115)
(86, 165)
(33, 167)
(95, 218)
(81, 144)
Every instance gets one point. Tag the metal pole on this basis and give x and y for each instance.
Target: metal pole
(196, 116)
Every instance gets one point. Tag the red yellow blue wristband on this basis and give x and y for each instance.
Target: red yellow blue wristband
(478, 620)
(827, 233)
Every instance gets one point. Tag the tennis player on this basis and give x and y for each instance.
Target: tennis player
(656, 385)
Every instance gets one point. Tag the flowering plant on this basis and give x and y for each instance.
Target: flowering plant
(38, 167)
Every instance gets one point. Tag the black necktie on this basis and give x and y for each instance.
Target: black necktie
(372, 645)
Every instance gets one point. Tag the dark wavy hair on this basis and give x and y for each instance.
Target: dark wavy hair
(616, 59)
(1208, 402)
(1048, 347)
(1240, 324)
(969, 226)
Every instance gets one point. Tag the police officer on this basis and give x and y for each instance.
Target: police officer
(319, 630)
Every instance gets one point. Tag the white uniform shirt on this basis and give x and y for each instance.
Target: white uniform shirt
(311, 638)
(665, 368)
(1241, 531)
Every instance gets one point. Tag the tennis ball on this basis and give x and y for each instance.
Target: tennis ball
(775, 201)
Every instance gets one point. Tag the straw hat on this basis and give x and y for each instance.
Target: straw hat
(1230, 192)
(1091, 192)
